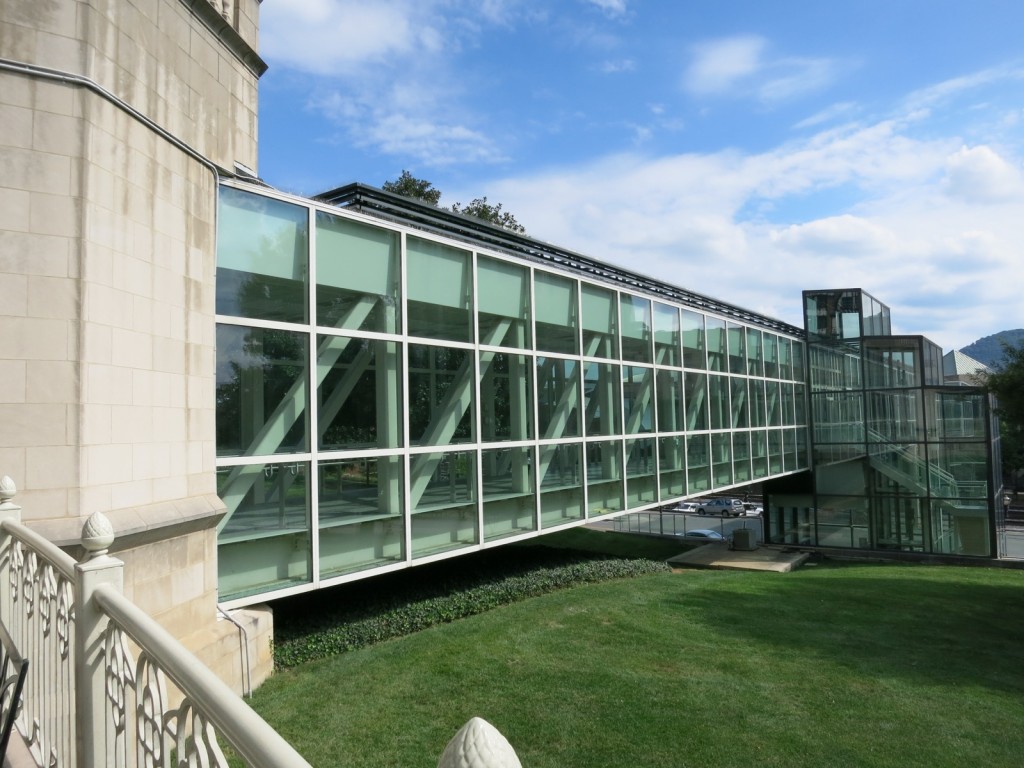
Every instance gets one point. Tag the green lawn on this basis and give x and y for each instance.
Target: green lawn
(832, 665)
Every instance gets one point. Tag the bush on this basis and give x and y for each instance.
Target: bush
(312, 628)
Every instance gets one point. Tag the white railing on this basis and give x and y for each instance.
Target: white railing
(97, 693)
(107, 685)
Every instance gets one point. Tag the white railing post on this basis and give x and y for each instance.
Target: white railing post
(8, 509)
(97, 568)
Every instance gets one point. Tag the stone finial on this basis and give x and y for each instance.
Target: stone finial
(7, 489)
(97, 535)
(478, 744)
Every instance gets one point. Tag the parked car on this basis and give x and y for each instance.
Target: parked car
(704, 533)
(723, 507)
(685, 506)
(753, 510)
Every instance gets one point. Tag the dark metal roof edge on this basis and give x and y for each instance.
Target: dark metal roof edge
(405, 210)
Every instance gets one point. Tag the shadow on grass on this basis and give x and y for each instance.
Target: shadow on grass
(921, 624)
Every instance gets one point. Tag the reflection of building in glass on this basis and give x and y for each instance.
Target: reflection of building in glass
(902, 461)
(391, 390)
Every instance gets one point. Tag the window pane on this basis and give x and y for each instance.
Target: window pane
(721, 455)
(737, 348)
(694, 341)
(698, 463)
(771, 356)
(672, 466)
(561, 484)
(604, 477)
(759, 453)
(558, 398)
(638, 398)
(716, 344)
(667, 335)
(739, 418)
(636, 329)
(696, 400)
(262, 257)
(359, 397)
(718, 401)
(264, 542)
(443, 493)
(641, 480)
(557, 315)
(440, 395)
(600, 322)
(670, 400)
(755, 355)
(261, 391)
(504, 303)
(506, 397)
(440, 291)
(361, 520)
(741, 456)
(357, 277)
(601, 389)
(508, 492)
(758, 406)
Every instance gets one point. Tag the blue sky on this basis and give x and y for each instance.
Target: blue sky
(746, 150)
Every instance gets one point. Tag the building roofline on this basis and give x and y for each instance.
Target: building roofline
(409, 211)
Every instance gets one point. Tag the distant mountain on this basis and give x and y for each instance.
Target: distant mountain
(989, 350)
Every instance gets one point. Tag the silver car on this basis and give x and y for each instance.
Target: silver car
(723, 507)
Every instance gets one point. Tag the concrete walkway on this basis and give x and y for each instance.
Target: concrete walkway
(718, 555)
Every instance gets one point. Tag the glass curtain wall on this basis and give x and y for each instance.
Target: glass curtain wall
(902, 463)
(385, 397)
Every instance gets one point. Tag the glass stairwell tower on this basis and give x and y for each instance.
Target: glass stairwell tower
(900, 460)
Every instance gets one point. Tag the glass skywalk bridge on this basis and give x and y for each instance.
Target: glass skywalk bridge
(391, 393)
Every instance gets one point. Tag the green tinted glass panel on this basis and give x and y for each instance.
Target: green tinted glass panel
(441, 394)
(442, 488)
(636, 328)
(264, 540)
(560, 469)
(359, 393)
(506, 396)
(696, 400)
(262, 391)
(672, 466)
(670, 400)
(558, 398)
(504, 303)
(638, 398)
(508, 502)
(357, 275)
(641, 477)
(602, 398)
(604, 477)
(361, 518)
(667, 335)
(694, 340)
(440, 291)
(600, 322)
(717, 345)
(557, 313)
(262, 257)
(698, 463)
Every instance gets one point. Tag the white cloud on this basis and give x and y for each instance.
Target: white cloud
(950, 269)
(619, 65)
(612, 8)
(741, 66)
(980, 175)
(718, 65)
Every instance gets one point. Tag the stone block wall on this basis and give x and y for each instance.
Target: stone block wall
(109, 166)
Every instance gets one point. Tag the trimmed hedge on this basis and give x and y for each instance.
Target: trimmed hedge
(310, 631)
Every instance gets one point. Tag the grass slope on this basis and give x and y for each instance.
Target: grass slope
(866, 665)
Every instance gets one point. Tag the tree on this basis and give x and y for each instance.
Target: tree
(408, 185)
(1006, 382)
(492, 214)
